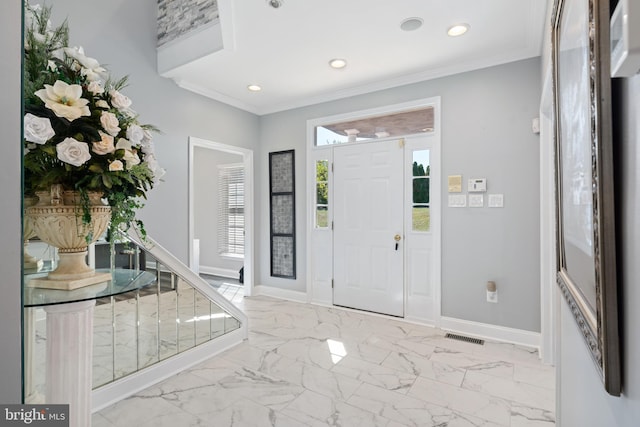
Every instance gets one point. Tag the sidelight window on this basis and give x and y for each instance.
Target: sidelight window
(421, 218)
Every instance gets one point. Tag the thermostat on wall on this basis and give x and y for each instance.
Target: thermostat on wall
(477, 184)
(625, 39)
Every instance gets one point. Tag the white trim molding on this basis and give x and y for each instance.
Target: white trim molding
(286, 294)
(491, 332)
(222, 272)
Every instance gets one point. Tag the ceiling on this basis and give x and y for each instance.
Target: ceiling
(286, 50)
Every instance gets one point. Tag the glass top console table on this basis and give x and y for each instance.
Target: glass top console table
(123, 280)
(69, 344)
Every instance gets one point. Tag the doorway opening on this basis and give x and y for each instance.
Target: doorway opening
(221, 236)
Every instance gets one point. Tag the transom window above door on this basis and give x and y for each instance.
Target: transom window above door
(410, 122)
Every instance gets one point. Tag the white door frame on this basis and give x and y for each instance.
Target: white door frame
(323, 296)
(247, 161)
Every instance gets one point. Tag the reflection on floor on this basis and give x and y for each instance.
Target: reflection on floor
(306, 365)
(231, 289)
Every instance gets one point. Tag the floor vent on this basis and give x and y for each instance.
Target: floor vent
(465, 339)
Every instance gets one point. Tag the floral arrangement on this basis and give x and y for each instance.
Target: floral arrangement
(79, 128)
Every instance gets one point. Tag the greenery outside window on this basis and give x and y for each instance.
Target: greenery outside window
(322, 193)
(421, 218)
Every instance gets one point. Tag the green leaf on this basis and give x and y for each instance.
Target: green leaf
(96, 168)
(106, 180)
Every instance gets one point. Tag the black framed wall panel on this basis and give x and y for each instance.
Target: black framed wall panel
(282, 213)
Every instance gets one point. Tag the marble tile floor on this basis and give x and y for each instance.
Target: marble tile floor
(231, 289)
(306, 365)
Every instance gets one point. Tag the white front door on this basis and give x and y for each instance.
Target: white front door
(368, 227)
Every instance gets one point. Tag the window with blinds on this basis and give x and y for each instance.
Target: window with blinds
(231, 210)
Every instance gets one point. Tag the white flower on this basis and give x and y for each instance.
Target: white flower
(154, 167)
(104, 146)
(130, 156)
(110, 123)
(52, 66)
(40, 38)
(89, 67)
(37, 129)
(74, 152)
(147, 136)
(135, 134)
(64, 100)
(147, 147)
(95, 88)
(118, 100)
(152, 163)
(116, 165)
(102, 103)
(123, 144)
(58, 54)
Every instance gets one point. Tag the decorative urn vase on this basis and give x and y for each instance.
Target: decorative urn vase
(58, 222)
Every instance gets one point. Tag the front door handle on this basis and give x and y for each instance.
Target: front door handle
(397, 238)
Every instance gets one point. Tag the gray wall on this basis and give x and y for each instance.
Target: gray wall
(11, 196)
(205, 206)
(583, 399)
(124, 38)
(486, 133)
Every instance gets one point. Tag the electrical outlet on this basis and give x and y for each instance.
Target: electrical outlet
(492, 296)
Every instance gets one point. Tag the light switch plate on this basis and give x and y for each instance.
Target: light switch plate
(457, 200)
(496, 200)
(476, 201)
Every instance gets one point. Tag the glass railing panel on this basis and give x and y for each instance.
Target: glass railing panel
(218, 316)
(186, 314)
(103, 340)
(230, 323)
(125, 348)
(148, 327)
(201, 319)
(168, 315)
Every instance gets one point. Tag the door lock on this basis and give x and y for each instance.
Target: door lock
(397, 238)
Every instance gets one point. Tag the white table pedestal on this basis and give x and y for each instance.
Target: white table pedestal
(69, 358)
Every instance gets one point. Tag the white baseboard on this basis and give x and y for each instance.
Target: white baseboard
(286, 294)
(491, 332)
(222, 272)
(131, 384)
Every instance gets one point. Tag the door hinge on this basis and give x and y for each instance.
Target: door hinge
(331, 283)
(331, 166)
(332, 225)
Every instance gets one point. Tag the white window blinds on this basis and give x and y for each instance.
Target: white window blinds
(231, 210)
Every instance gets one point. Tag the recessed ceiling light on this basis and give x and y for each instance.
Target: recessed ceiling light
(411, 24)
(338, 63)
(458, 30)
(254, 88)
